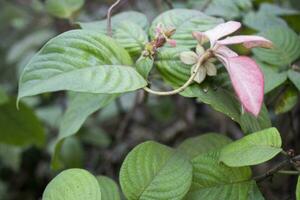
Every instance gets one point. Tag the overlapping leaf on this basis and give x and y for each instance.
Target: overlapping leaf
(286, 47)
(252, 149)
(213, 180)
(81, 61)
(185, 22)
(109, 189)
(73, 184)
(155, 171)
(203, 144)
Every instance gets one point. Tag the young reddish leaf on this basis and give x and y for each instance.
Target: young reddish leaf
(248, 41)
(222, 30)
(248, 82)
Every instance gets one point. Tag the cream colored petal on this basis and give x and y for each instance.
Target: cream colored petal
(189, 57)
(200, 50)
(200, 76)
(211, 69)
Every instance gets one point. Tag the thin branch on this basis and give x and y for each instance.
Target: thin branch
(109, 13)
(202, 59)
(205, 5)
(277, 168)
(288, 172)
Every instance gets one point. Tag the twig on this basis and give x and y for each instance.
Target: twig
(169, 3)
(277, 168)
(109, 12)
(288, 172)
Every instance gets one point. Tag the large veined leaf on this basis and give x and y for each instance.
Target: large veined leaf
(129, 16)
(286, 47)
(261, 21)
(287, 100)
(109, 188)
(20, 127)
(155, 171)
(250, 123)
(131, 36)
(63, 8)
(203, 144)
(213, 180)
(254, 192)
(298, 189)
(223, 100)
(73, 184)
(277, 10)
(252, 149)
(294, 76)
(171, 67)
(226, 9)
(273, 78)
(185, 21)
(81, 106)
(81, 61)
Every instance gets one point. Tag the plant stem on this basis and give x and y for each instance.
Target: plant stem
(109, 12)
(208, 54)
(288, 172)
(277, 168)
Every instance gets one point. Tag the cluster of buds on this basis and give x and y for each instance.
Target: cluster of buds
(162, 36)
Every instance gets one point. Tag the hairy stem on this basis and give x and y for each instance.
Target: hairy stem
(109, 13)
(288, 172)
(202, 59)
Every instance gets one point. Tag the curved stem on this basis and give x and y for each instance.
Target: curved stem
(109, 12)
(288, 172)
(201, 60)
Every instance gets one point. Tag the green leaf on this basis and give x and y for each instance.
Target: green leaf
(286, 47)
(81, 61)
(204, 143)
(298, 189)
(250, 123)
(63, 8)
(170, 66)
(252, 149)
(277, 10)
(261, 21)
(287, 100)
(144, 66)
(273, 78)
(73, 184)
(129, 16)
(155, 171)
(20, 127)
(219, 99)
(80, 107)
(213, 180)
(254, 193)
(72, 153)
(109, 188)
(185, 21)
(294, 76)
(131, 36)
